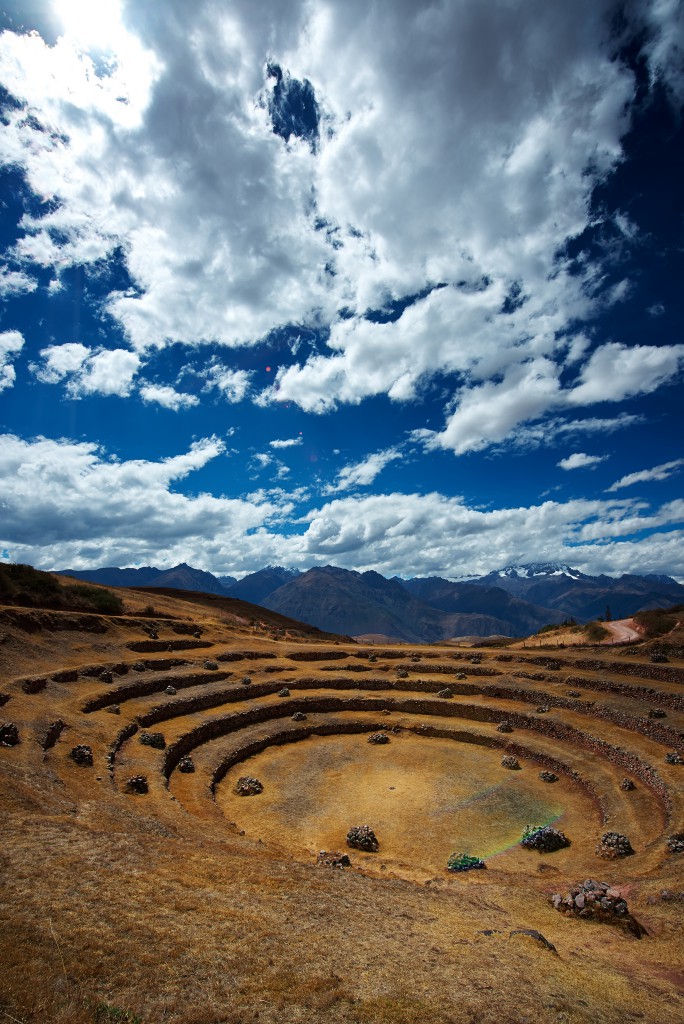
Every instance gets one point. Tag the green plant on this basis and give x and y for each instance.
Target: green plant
(106, 1014)
(95, 599)
(595, 632)
(464, 862)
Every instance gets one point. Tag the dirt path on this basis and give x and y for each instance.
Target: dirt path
(622, 630)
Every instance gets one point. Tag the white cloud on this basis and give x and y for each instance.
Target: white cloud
(661, 472)
(62, 507)
(11, 342)
(89, 371)
(167, 155)
(363, 473)
(60, 361)
(289, 442)
(15, 282)
(489, 412)
(167, 397)
(233, 385)
(615, 371)
(579, 460)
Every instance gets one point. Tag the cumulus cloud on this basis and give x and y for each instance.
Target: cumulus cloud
(615, 371)
(363, 473)
(167, 397)
(15, 282)
(580, 460)
(62, 507)
(168, 155)
(233, 385)
(288, 442)
(661, 472)
(11, 342)
(89, 371)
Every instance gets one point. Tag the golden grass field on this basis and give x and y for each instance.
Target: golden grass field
(193, 906)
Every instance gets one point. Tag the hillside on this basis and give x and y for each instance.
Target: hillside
(185, 903)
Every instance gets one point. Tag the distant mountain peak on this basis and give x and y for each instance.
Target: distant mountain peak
(532, 569)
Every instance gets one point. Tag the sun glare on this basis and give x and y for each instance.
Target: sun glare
(94, 26)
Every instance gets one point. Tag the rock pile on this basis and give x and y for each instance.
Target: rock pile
(627, 785)
(545, 839)
(507, 761)
(186, 765)
(299, 716)
(445, 693)
(504, 727)
(152, 739)
(9, 734)
(137, 784)
(210, 666)
(247, 786)
(170, 691)
(113, 709)
(284, 692)
(674, 758)
(246, 680)
(599, 901)
(542, 709)
(657, 713)
(548, 776)
(82, 755)
(362, 837)
(573, 693)
(464, 862)
(378, 737)
(334, 859)
(613, 845)
(675, 843)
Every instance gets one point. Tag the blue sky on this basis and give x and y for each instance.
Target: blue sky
(391, 286)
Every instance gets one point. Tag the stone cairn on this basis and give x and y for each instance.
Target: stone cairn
(210, 666)
(548, 776)
(504, 727)
(247, 786)
(362, 837)
(152, 739)
(284, 692)
(508, 761)
(246, 680)
(170, 691)
(545, 839)
(378, 738)
(464, 862)
(299, 716)
(186, 765)
(627, 785)
(82, 755)
(333, 859)
(674, 758)
(613, 845)
(9, 734)
(598, 901)
(675, 843)
(445, 693)
(137, 785)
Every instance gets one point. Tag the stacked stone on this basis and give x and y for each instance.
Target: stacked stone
(334, 859)
(445, 693)
(599, 901)
(152, 739)
(248, 786)
(613, 845)
(378, 737)
(504, 727)
(82, 755)
(548, 777)
(674, 758)
(137, 784)
(675, 843)
(9, 734)
(284, 692)
(507, 761)
(627, 785)
(299, 716)
(362, 837)
(545, 839)
(186, 765)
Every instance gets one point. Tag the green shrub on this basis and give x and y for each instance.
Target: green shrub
(92, 599)
(657, 621)
(595, 632)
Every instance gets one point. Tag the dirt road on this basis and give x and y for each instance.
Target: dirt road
(622, 630)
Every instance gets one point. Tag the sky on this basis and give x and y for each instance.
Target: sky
(390, 286)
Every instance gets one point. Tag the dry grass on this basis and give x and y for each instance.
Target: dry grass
(116, 910)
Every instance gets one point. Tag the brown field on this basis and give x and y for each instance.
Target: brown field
(193, 905)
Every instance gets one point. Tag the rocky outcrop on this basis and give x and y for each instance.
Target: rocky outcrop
(362, 837)
(598, 901)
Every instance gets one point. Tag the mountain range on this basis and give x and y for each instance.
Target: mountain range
(514, 601)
